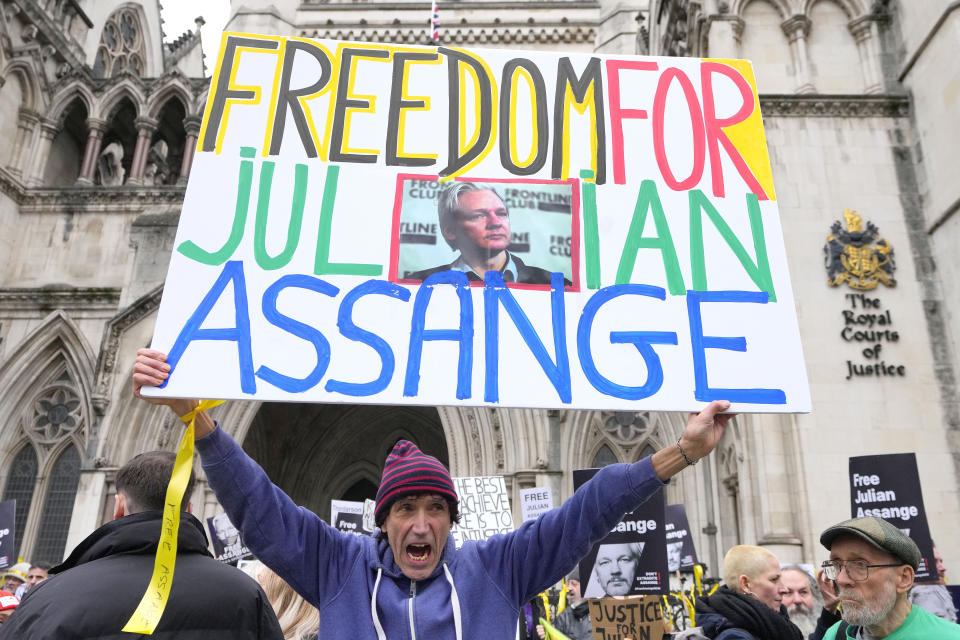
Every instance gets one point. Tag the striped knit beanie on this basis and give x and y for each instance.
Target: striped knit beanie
(409, 471)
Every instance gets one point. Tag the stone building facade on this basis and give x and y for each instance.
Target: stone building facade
(101, 116)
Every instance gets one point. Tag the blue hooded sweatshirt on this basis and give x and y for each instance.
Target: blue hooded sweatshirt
(475, 592)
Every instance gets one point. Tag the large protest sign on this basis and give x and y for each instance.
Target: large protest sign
(311, 263)
(888, 487)
(535, 501)
(484, 508)
(8, 514)
(632, 558)
(681, 554)
(627, 618)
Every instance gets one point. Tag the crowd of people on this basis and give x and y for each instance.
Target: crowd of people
(410, 580)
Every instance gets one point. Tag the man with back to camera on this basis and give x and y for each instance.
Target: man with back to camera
(474, 220)
(411, 578)
(98, 587)
(872, 564)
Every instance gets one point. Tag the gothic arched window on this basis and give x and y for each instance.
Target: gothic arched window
(121, 45)
(604, 457)
(21, 479)
(58, 507)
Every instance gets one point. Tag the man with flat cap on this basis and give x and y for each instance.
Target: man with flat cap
(872, 564)
(411, 581)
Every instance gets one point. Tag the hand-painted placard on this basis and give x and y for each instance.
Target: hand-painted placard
(627, 618)
(681, 554)
(619, 211)
(8, 527)
(535, 501)
(888, 487)
(632, 558)
(484, 508)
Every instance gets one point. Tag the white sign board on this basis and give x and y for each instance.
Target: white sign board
(344, 197)
(535, 501)
(484, 508)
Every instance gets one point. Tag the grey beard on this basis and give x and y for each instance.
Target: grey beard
(803, 618)
(864, 616)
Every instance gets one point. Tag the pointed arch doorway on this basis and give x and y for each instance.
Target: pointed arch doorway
(322, 452)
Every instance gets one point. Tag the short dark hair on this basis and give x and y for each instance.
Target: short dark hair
(45, 566)
(143, 481)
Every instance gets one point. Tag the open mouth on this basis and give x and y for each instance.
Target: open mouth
(418, 552)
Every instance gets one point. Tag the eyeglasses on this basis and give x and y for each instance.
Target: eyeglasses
(857, 570)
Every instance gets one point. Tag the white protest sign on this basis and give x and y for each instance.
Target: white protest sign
(484, 508)
(619, 210)
(535, 501)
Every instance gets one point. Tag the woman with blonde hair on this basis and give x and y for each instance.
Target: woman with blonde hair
(299, 620)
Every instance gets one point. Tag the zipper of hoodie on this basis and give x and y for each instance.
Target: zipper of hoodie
(413, 594)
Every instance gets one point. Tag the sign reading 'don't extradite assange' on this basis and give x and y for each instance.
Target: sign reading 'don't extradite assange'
(625, 205)
(888, 487)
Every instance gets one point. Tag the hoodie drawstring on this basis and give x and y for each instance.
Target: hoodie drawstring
(454, 602)
(373, 607)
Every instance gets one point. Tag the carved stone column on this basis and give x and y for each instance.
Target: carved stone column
(724, 37)
(864, 30)
(192, 126)
(797, 28)
(95, 129)
(27, 121)
(48, 131)
(145, 128)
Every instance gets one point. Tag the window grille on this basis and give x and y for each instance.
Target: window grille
(604, 457)
(58, 507)
(21, 479)
(121, 45)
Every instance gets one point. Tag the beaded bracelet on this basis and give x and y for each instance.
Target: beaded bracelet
(684, 454)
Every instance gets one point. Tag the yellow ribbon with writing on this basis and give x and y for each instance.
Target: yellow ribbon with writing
(147, 616)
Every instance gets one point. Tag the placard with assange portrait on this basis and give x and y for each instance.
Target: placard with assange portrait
(632, 558)
(681, 554)
(538, 221)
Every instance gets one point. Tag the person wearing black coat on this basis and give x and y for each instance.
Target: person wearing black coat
(98, 587)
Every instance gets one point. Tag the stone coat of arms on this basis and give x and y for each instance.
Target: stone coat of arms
(857, 256)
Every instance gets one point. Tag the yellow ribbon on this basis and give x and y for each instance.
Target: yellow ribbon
(550, 632)
(147, 616)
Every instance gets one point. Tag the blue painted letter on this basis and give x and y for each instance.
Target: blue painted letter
(349, 330)
(700, 343)
(305, 331)
(640, 339)
(463, 335)
(240, 333)
(494, 292)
